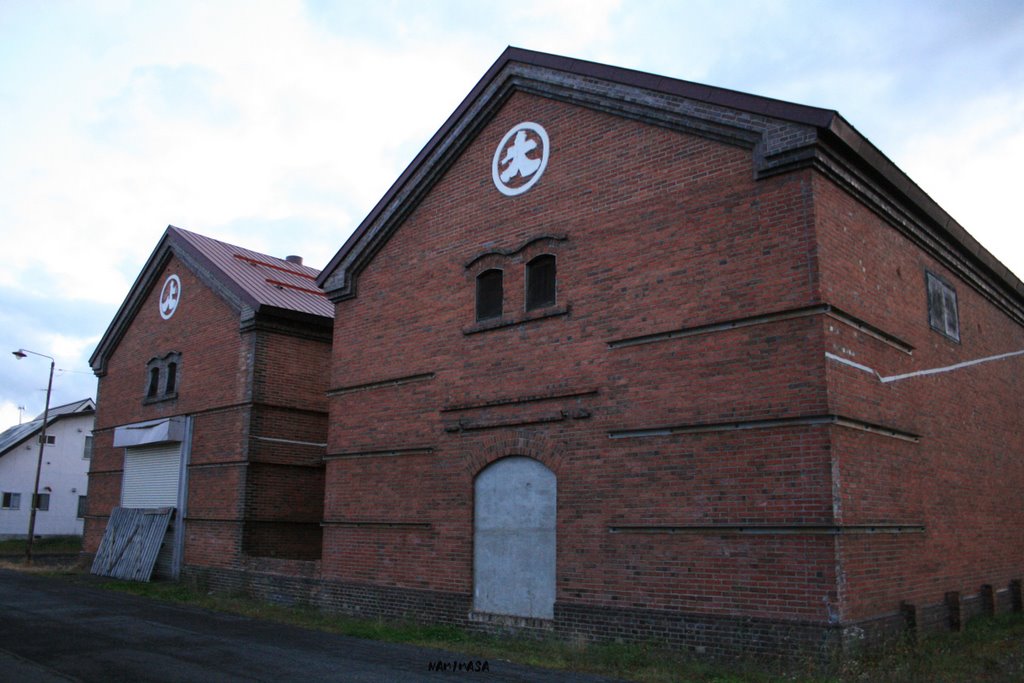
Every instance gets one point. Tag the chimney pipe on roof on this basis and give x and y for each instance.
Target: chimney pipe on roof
(297, 260)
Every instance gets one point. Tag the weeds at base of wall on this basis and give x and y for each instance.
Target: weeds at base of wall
(60, 554)
(989, 649)
(66, 567)
(43, 545)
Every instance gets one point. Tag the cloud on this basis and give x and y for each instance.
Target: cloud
(969, 162)
(278, 124)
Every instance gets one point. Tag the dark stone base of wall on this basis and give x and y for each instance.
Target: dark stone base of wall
(353, 599)
(711, 635)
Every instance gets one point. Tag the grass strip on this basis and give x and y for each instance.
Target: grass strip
(989, 649)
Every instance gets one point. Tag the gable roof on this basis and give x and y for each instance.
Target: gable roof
(85, 405)
(783, 136)
(252, 284)
(14, 436)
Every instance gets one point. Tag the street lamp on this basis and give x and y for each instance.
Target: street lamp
(19, 354)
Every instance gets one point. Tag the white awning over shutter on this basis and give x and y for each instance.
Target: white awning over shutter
(151, 476)
(151, 432)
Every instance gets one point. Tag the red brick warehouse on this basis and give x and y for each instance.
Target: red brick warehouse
(622, 356)
(213, 377)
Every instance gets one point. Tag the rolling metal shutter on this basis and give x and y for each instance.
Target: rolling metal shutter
(151, 476)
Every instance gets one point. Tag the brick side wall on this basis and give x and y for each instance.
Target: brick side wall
(285, 485)
(961, 480)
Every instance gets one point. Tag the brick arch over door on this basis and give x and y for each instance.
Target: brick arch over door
(515, 509)
(495, 448)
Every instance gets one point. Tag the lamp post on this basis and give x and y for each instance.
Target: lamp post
(19, 354)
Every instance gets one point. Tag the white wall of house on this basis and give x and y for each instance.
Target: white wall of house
(63, 476)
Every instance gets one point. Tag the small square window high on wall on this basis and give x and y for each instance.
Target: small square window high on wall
(942, 308)
(11, 501)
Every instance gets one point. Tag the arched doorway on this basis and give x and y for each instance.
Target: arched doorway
(514, 539)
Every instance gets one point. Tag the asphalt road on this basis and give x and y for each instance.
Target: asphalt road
(54, 630)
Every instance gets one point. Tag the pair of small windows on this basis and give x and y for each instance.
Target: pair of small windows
(163, 377)
(154, 380)
(540, 288)
(12, 501)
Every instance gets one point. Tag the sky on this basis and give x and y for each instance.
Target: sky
(277, 125)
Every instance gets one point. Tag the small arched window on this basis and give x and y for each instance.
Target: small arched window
(162, 377)
(172, 378)
(489, 294)
(540, 282)
(154, 382)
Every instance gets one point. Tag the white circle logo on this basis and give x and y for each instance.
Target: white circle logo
(520, 159)
(169, 296)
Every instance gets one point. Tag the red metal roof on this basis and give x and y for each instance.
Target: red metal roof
(265, 280)
(250, 282)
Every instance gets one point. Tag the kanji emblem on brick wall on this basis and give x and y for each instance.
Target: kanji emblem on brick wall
(169, 296)
(520, 159)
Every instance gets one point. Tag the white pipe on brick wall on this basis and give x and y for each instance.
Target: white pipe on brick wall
(921, 373)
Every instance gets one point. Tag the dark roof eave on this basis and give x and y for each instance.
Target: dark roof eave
(731, 98)
(830, 124)
(173, 242)
(266, 312)
(870, 158)
(243, 297)
(115, 330)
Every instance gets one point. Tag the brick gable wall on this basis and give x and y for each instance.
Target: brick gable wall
(654, 232)
(259, 424)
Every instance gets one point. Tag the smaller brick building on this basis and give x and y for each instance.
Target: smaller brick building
(212, 380)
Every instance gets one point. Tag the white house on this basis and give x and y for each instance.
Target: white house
(63, 478)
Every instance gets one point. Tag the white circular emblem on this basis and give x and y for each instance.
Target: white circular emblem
(169, 296)
(520, 159)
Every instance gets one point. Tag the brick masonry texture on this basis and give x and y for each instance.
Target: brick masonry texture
(257, 398)
(665, 231)
(733, 474)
